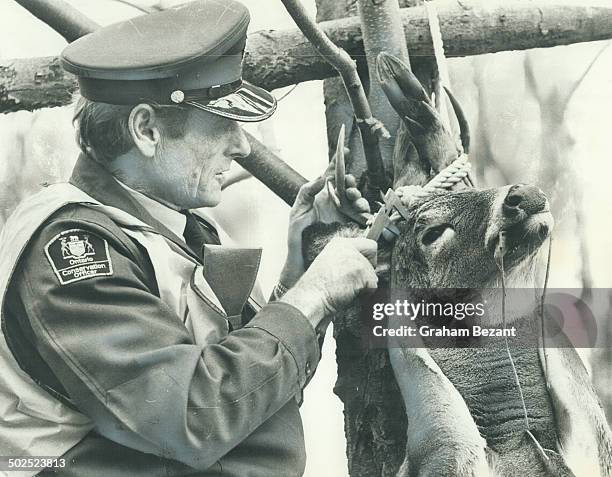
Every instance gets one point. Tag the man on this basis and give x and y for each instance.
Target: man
(132, 341)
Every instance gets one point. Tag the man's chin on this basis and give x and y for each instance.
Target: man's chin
(207, 200)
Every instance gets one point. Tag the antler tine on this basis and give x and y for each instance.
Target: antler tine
(338, 193)
(464, 126)
(464, 129)
(340, 169)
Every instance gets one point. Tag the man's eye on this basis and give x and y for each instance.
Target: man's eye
(434, 233)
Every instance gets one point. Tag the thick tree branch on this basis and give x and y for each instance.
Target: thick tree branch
(382, 31)
(61, 16)
(272, 171)
(279, 58)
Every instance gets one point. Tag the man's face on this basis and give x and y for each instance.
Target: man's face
(190, 170)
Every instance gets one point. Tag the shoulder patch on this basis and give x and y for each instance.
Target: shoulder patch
(77, 254)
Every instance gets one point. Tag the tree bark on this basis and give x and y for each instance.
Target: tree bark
(279, 58)
(272, 171)
(382, 31)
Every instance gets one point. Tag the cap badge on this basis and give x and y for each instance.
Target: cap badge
(177, 96)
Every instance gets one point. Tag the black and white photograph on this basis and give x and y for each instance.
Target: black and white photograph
(319, 238)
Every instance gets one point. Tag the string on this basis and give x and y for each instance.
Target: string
(502, 240)
(542, 328)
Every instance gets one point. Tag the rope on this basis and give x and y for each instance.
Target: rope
(438, 42)
(442, 83)
(542, 326)
(500, 263)
(450, 175)
(444, 180)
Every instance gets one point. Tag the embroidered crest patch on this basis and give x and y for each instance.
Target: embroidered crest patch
(77, 254)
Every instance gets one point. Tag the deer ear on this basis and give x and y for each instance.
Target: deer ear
(408, 167)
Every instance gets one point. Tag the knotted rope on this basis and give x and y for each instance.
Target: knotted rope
(445, 180)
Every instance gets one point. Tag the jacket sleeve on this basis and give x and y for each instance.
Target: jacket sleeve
(128, 362)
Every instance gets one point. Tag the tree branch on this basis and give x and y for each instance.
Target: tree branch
(272, 171)
(371, 129)
(382, 31)
(61, 16)
(280, 58)
(340, 60)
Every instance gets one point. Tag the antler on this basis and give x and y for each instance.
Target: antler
(464, 126)
(434, 144)
(338, 194)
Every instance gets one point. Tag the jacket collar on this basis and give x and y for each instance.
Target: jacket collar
(231, 272)
(96, 181)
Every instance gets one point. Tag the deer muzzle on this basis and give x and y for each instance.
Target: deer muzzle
(522, 213)
(524, 200)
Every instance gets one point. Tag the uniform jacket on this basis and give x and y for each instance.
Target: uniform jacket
(154, 390)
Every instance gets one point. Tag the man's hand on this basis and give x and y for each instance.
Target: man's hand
(342, 270)
(314, 204)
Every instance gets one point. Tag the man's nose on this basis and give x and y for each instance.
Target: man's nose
(527, 198)
(239, 146)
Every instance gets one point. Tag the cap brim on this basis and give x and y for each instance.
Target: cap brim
(249, 104)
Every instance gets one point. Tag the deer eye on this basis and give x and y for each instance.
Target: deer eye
(434, 233)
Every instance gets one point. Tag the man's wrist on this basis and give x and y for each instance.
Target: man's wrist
(292, 270)
(278, 291)
(309, 301)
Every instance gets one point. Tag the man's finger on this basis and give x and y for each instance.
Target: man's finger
(350, 180)
(366, 247)
(309, 190)
(352, 194)
(361, 205)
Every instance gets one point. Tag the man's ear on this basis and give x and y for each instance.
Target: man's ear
(145, 129)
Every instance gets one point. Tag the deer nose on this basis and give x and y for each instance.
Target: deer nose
(528, 198)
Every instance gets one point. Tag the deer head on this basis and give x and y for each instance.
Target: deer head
(452, 240)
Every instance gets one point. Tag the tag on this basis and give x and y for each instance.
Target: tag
(77, 254)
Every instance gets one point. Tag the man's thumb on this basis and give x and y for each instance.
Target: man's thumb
(366, 247)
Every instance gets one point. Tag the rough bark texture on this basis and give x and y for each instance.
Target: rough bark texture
(280, 58)
(272, 171)
(34, 83)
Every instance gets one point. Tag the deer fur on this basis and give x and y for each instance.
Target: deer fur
(452, 240)
(442, 436)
